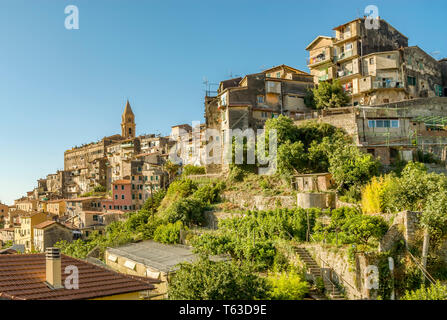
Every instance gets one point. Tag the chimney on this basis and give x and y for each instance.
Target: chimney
(54, 269)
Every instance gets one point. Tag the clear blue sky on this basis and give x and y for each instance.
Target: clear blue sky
(60, 88)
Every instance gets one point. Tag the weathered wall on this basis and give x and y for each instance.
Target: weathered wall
(341, 271)
(250, 202)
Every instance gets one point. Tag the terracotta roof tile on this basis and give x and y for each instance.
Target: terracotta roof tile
(22, 277)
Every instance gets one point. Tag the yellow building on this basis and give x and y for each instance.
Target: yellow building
(24, 234)
(56, 207)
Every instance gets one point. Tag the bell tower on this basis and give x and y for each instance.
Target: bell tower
(128, 122)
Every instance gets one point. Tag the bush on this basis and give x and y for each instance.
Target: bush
(100, 188)
(435, 291)
(193, 170)
(237, 174)
(168, 233)
(188, 211)
(287, 287)
(209, 280)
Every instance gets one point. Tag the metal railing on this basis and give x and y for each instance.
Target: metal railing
(424, 271)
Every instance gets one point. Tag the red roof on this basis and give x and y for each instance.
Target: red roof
(121, 182)
(22, 277)
(45, 224)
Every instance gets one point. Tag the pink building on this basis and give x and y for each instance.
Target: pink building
(121, 196)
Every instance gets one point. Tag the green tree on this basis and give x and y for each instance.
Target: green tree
(364, 227)
(330, 95)
(351, 167)
(209, 280)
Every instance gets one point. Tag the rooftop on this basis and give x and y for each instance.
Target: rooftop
(22, 277)
(159, 256)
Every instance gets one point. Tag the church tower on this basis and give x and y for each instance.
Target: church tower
(128, 122)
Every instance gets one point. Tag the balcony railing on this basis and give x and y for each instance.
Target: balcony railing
(344, 73)
(344, 36)
(343, 55)
(387, 84)
(323, 78)
(317, 59)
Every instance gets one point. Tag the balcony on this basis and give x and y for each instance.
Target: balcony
(344, 73)
(344, 36)
(387, 84)
(317, 59)
(323, 78)
(343, 55)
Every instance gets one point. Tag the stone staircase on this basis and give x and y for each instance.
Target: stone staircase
(314, 269)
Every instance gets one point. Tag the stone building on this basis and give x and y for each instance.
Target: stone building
(24, 233)
(56, 207)
(47, 233)
(3, 211)
(6, 234)
(26, 204)
(254, 99)
(394, 131)
(374, 66)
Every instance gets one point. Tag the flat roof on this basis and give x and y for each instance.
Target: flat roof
(161, 257)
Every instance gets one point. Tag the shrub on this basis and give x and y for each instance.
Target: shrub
(168, 233)
(193, 170)
(188, 211)
(209, 280)
(435, 291)
(287, 287)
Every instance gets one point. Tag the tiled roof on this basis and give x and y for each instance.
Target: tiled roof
(22, 277)
(121, 182)
(45, 224)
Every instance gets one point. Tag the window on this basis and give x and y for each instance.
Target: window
(133, 186)
(116, 188)
(116, 197)
(122, 197)
(385, 123)
(411, 81)
(95, 217)
(260, 99)
(278, 74)
(371, 61)
(122, 187)
(133, 197)
(140, 196)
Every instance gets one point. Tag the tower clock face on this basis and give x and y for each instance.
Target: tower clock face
(129, 119)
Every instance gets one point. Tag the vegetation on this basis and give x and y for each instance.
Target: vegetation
(435, 291)
(329, 95)
(209, 280)
(193, 170)
(287, 286)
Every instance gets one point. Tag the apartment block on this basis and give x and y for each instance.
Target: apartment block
(374, 66)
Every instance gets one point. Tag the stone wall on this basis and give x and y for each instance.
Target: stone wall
(404, 227)
(335, 263)
(251, 202)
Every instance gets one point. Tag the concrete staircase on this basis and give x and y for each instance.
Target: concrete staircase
(314, 269)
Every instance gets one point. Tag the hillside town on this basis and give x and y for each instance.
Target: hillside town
(366, 121)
